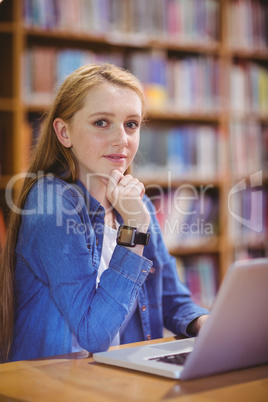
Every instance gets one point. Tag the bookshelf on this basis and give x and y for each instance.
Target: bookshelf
(200, 75)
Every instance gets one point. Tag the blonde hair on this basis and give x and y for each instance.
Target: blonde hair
(50, 156)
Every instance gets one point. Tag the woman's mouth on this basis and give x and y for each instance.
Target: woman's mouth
(117, 158)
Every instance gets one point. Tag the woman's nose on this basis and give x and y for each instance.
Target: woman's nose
(120, 137)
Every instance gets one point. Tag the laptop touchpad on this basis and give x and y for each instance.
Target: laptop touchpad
(175, 345)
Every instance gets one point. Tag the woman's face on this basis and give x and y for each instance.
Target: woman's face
(105, 133)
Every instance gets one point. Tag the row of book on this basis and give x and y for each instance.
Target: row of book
(186, 151)
(44, 69)
(200, 274)
(184, 85)
(191, 152)
(248, 24)
(183, 20)
(188, 215)
(187, 84)
(249, 88)
(248, 148)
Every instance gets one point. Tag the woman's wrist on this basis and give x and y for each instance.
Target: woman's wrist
(140, 226)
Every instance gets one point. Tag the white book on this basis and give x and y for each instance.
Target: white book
(207, 152)
(237, 89)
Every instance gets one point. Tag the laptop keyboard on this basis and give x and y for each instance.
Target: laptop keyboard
(178, 358)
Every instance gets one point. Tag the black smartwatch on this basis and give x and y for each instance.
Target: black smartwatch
(129, 236)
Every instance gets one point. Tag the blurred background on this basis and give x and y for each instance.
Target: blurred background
(204, 148)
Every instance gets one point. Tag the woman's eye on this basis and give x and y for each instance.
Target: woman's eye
(132, 124)
(101, 123)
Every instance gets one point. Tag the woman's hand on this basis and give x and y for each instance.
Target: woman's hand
(196, 325)
(125, 195)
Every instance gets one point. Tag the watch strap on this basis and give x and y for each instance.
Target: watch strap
(142, 238)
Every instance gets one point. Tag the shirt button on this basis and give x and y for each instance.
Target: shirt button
(143, 308)
(97, 241)
(148, 337)
(152, 270)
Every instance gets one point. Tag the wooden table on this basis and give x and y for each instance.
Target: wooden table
(76, 377)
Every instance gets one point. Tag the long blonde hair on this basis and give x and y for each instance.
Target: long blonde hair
(50, 156)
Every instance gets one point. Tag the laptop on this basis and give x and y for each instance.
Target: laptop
(235, 336)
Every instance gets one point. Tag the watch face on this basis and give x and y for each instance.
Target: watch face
(126, 235)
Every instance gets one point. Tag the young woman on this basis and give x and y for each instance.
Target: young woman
(79, 269)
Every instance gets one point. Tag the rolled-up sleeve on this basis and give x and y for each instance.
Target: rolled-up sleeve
(60, 255)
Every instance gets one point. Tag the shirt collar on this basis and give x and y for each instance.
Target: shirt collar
(94, 206)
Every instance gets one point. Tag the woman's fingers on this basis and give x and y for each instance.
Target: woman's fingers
(113, 181)
(125, 194)
(119, 184)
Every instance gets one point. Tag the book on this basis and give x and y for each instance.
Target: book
(151, 69)
(265, 151)
(249, 88)
(238, 149)
(247, 147)
(208, 147)
(199, 274)
(248, 216)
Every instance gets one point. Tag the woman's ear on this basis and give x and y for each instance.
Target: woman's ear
(62, 132)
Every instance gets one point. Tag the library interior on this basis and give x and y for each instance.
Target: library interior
(203, 155)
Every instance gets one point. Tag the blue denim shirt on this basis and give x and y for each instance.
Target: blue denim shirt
(57, 259)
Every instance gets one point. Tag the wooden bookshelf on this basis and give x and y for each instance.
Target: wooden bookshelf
(16, 38)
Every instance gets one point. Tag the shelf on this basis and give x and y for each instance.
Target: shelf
(260, 243)
(64, 35)
(167, 44)
(261, 54)
(204, 246)
(167, 115)
(152, 114)
(164, 180)
(124, 40)
(262, 117)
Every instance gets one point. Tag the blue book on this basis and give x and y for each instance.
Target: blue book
(175, 151)
(68, 60)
